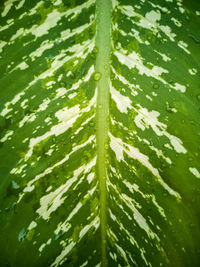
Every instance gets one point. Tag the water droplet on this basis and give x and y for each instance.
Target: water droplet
(7, 209)
(112, 76)
(22, 235)
(50, 56)
(62, 84)
(187, 18)
(15, 185)
(190, 159)
(91, 124)
(198, 97)
(164, 10)
(100, 106)
(197, 41)
(169, 109)
(107, 156)
(192, 225)
(95, 50)
(155, 86)
(97, 76)
(73, 76)
(106, 146)
(105, 67)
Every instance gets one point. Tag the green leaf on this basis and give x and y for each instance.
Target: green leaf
(100, 133)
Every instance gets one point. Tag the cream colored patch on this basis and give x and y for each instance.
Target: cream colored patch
(119, 147)
(146, 119)
(134, 60)
(70, 243)
(123, 102)
(195, 172)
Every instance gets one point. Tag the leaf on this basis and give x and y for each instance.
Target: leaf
(99, 124)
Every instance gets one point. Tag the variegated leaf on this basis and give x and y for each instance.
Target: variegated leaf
(99, 121)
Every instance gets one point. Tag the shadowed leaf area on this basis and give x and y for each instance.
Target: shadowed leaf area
(100, 133)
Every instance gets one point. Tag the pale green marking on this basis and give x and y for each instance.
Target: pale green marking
(32, 225)
(6, 136)
(123, 102)
(118, 146)
(184, 46)
(7, 6)
(192, 71)
(195, 172)
(68, 247)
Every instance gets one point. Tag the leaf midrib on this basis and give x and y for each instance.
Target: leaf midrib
(103, 44)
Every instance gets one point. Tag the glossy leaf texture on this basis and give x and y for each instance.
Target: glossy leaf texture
(100, 155)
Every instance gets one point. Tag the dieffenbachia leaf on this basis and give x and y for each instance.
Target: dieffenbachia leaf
(99, 145)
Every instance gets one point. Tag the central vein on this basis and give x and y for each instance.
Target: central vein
(103, 44)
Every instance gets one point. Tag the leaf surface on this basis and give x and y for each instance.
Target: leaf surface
(99, 133)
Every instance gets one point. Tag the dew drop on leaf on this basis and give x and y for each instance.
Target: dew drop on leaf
(100, 106)
(15, 185)
(22, 235)
(169, 109)
(73, 76)
(155, 86)
(197, 41)
(7, 209)
(30, 234)
(198, 97)
(97, 76)
(164, 10)
(190, 159)
(62, 84)
(91, 124)
(187, 18)
(106, 146)
(96, 50)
